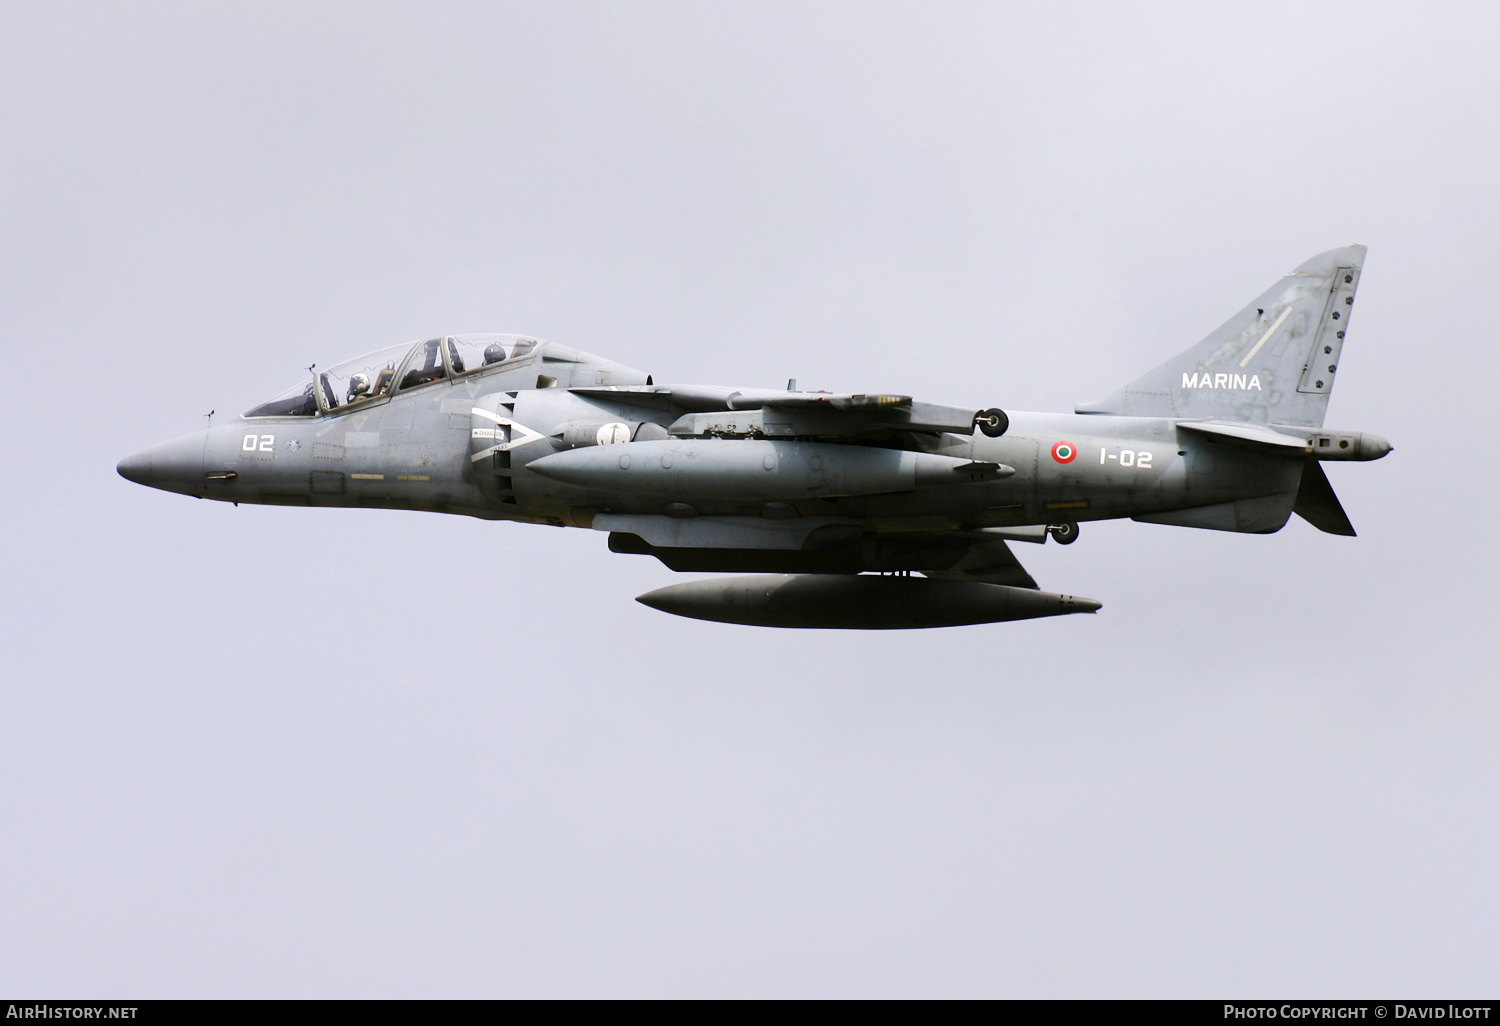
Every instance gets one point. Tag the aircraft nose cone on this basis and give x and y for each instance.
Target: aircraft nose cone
(136, 468)
(175, 466)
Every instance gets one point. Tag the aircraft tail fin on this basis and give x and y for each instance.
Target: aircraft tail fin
(1317, 504)
(1273, 362)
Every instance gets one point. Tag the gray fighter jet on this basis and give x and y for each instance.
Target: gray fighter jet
(829, 502)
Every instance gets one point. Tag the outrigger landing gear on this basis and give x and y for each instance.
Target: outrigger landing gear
(992, 422)
(1063, 534)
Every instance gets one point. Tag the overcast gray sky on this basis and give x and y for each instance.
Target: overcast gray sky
(278, 752)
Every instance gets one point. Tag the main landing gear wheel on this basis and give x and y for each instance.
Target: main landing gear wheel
(992, 422)
(1063, 534)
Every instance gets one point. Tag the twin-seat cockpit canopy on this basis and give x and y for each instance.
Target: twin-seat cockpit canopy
(394, 369)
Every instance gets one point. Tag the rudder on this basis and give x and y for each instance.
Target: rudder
(1273, 362)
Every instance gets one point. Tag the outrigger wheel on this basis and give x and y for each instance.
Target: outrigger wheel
(1063, 534)
(992, 422)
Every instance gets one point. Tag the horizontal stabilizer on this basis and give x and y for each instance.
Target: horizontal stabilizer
(1317, 504)
(1251, 435)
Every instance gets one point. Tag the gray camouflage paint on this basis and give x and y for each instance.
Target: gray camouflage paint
(1223, 436)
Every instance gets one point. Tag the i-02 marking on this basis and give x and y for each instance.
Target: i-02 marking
(1127, 458)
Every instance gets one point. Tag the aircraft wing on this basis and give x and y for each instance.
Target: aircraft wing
(774, 412)
(810, 545)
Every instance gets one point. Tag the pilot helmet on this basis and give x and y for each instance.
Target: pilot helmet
(358, 385)
(493, 353)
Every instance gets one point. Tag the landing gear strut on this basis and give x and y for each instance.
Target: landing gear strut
(1063, 534)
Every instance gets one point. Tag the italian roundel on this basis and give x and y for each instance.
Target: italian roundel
(1064, 452)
